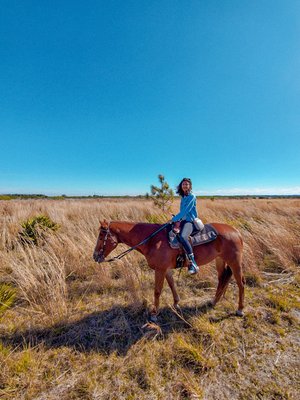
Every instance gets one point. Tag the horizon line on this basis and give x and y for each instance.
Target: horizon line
(145, 195)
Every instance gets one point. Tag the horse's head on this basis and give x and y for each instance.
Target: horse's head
(106, 242)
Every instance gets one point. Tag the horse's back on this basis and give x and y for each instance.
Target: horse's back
(227, 231)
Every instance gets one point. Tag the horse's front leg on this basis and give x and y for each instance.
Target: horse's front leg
(170, 280)
(159, 283)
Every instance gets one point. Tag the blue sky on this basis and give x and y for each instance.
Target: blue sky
(99, 97)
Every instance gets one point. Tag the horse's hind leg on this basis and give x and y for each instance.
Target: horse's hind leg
(170, 280)
(224, 275)
(240, 280)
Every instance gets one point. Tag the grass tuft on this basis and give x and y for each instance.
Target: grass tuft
(279, 302)
(253, 279)
(191, 356)
(203, 328)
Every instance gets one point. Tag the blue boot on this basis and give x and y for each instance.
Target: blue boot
(193, 267)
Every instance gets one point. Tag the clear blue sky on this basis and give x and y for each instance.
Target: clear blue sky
(99, 97)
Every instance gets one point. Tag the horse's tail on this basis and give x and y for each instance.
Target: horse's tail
(224, 278)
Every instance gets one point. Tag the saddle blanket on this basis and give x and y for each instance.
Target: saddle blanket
(206, 235)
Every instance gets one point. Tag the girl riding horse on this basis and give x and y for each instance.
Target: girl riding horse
(184, 221)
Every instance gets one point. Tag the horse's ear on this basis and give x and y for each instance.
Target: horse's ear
(104, 223)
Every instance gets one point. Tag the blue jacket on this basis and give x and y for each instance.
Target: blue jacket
(188, 210)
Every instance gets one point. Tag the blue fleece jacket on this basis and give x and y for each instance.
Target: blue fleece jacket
(188, 210)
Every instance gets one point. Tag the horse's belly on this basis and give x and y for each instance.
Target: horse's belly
(205, 253)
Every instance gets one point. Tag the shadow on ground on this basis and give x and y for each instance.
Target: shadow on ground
(116, 329)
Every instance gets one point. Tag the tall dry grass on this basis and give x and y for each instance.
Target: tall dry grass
(270, 229)
(80, 323)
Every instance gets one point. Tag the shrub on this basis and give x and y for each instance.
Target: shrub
(35, 228)
(7, 297)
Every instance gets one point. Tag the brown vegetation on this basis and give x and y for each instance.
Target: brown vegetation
(73, 329)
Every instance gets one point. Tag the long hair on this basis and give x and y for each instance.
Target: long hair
(179, 188)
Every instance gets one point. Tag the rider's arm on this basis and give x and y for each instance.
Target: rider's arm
(187, 205)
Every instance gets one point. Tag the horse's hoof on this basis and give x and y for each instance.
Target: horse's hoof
(239, 313)
(153, 319)
(211, 303)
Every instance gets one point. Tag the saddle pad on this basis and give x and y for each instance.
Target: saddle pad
(206, 235)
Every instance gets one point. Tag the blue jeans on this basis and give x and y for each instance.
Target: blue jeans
(186, 229)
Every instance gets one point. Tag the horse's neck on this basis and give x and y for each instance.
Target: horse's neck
(127, 234)
(122, 231)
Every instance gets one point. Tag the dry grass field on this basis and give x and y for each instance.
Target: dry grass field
(73, 329)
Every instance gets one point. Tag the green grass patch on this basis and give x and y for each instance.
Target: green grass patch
(191, 356)
(279, 302)
(24, 362)
(7, 297)
(4, 350)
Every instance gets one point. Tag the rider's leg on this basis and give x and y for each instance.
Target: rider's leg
(187, 229)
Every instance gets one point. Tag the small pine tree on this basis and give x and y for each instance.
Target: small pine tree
(162, 196)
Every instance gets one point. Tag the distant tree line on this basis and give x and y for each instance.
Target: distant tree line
(157, 193)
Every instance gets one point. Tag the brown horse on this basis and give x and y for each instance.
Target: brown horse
(226, 249)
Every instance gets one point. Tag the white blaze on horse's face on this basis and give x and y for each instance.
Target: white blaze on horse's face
(106, 242)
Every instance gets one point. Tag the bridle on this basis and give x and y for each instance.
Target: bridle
(107, 234)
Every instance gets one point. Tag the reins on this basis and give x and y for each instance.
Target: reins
(124, 253)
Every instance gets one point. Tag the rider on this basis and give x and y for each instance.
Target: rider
(186, 216)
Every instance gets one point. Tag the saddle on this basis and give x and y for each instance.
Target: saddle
(207, 234)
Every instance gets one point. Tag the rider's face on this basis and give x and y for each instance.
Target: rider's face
(186, 187)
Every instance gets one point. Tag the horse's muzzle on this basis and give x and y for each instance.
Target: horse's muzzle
(98, 257)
